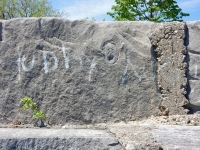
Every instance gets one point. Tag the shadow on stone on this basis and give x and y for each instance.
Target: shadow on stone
(192, 108)
(188, 88)
(186, 43)
(154, 64)
(1, 31)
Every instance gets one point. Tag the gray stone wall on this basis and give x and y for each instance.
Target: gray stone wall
(77, 71)
(88, 72)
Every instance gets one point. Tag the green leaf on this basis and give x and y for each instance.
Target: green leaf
(27, 103)
(38, 114)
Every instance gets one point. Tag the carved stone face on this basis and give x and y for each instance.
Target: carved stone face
(111, 53)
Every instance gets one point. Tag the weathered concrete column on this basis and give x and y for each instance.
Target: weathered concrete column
(168, 41)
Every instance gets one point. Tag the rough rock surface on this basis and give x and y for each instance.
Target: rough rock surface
(58, 139)
(168, 40)
(84, 72)
(77, 71)
(193, 46)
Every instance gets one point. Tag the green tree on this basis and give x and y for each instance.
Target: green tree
(27, 8)
(151, 10)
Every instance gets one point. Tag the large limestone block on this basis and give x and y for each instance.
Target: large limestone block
(59, 139)
(194, 61)
(77, 71)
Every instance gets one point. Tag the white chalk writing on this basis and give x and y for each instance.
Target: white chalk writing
(65, 57)
(19, 61)
(46, 68)
(31, 65)
(126, 70)
(51, 62)
(92, 67)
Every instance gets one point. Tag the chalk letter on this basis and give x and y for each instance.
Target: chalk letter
(46, 69)
(31, 65)
(65, 57)
(20, 62)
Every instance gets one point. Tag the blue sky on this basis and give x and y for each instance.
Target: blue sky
(80, 9)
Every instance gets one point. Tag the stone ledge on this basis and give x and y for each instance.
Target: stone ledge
(23, 138)
(154, 133)
(174, 137)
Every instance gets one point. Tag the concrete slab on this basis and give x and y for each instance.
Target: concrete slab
(175, 137)
(59, 139)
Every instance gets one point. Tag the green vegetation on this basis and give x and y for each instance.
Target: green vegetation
(27, 8)
(150, 10)
(27, 103)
